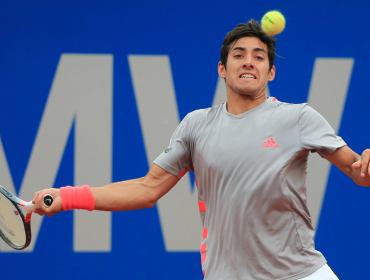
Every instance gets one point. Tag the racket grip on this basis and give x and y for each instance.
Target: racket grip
(48, 201)
(29, 206)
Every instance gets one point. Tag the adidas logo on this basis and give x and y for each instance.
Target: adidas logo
(270, 143)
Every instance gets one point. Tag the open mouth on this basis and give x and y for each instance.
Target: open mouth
(247, 76)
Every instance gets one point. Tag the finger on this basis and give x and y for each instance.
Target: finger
(39, 206)
(365, 163)
(40, 198)
(34, 198)
(357, 164)
(38, 202)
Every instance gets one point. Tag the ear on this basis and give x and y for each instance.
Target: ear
(271, 75)
(221, 70)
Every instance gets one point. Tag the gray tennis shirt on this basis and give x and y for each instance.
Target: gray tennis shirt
(251, 171)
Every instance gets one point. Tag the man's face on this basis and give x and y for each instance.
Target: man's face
(247, 68)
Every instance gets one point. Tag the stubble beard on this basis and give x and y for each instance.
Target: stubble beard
(252, 94)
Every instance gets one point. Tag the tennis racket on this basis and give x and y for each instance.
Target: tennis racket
(15, 229)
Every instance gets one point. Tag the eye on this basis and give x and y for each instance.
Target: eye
(238, 55)
(259, 57)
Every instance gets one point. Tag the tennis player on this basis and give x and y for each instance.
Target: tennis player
(249, 156)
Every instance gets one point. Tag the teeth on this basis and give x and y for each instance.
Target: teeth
(247, 76)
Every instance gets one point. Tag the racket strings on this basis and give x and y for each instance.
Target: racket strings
(11, 223)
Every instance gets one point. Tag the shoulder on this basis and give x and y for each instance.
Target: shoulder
(291, 109)
(204, 114)
(302, 108)
(308, 114)
(196, 120)
(301, 113)
(289, 106)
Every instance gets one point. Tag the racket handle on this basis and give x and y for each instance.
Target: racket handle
(29, 206)
(48, 201)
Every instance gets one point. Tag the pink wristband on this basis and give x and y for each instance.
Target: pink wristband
(77, 198)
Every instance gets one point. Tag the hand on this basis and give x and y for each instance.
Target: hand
(362, 168)
(41, 209)
(363, 163)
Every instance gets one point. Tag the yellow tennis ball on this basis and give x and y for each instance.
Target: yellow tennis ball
(273, 22)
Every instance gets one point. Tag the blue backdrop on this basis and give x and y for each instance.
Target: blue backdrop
(34, 35)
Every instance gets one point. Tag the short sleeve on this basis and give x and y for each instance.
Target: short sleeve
(177, 155)
(316, 134)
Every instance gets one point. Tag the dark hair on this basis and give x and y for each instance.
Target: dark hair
(252, 29)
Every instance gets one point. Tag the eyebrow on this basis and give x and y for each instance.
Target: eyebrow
(255, 49)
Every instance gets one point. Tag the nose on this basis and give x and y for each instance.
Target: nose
(248, 65)
(248, 61)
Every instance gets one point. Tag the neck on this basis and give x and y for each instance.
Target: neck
(238, 104)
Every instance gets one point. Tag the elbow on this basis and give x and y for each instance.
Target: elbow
(151, 200)
(151, 204)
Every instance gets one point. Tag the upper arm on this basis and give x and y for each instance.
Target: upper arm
(134, 194)
(159, 182)
(167, 168)
(316, 134)
(343, 158)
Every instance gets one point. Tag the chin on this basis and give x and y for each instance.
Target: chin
(248, 91)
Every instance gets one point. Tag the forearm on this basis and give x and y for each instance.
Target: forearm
(352, 164)
(123, 196)
(135, 194)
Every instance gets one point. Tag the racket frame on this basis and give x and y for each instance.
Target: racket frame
(26, 220)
